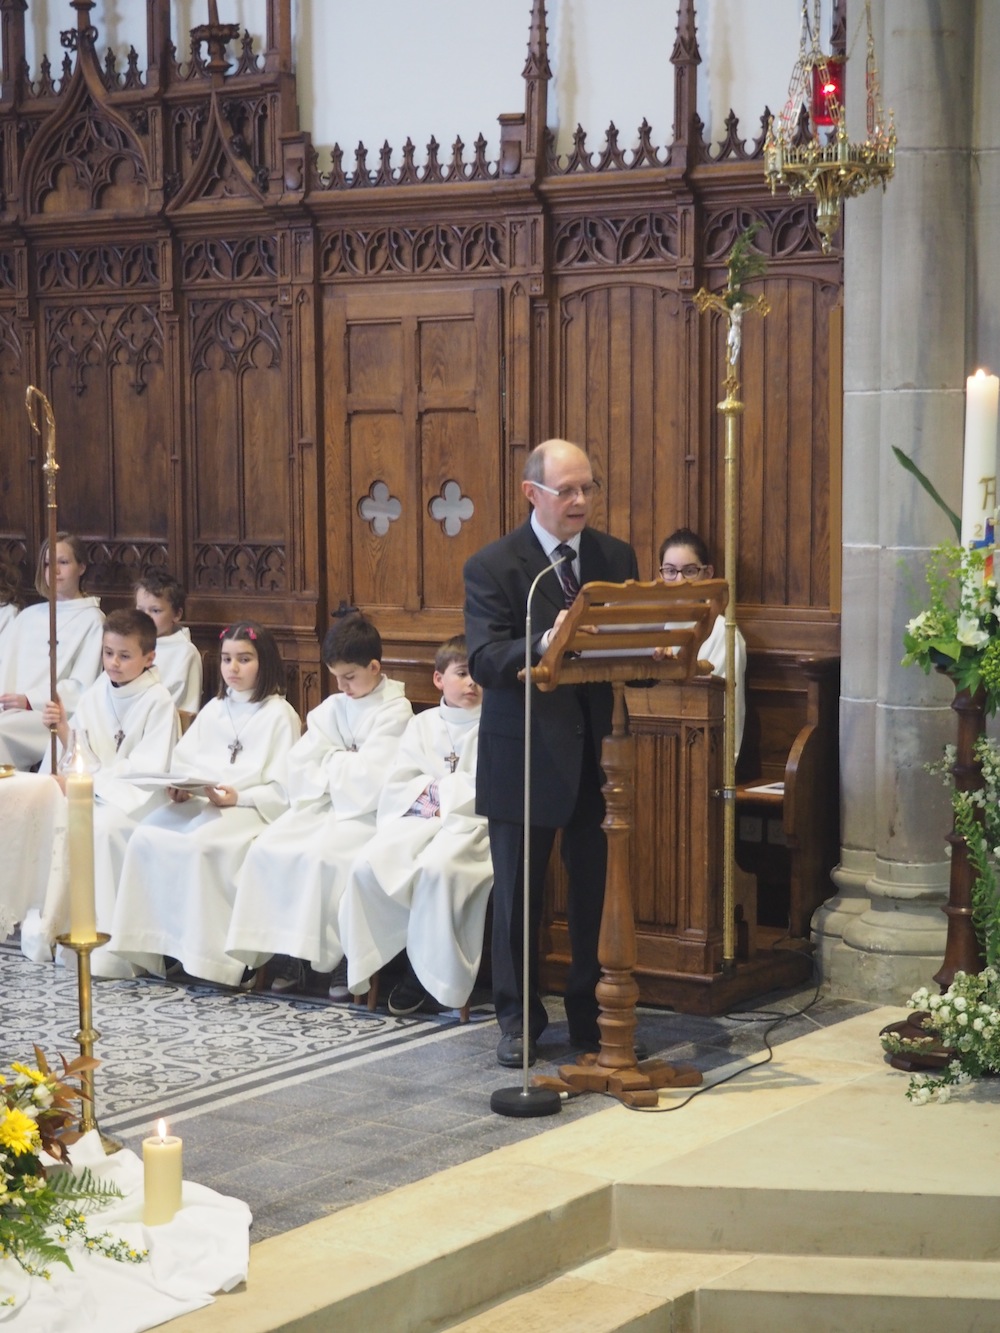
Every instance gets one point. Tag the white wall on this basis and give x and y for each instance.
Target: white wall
(382, 71)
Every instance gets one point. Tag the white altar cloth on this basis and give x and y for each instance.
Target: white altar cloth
(205, 1249)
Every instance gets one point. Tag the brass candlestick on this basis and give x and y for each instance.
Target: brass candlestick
(87, 1034)
(732, 304)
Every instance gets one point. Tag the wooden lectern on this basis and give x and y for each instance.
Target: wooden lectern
(611, 633)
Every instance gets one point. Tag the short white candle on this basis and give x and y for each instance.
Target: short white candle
(979, 465)
(82, 915)
(163, 1172)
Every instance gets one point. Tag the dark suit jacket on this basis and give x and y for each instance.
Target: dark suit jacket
(497, 580)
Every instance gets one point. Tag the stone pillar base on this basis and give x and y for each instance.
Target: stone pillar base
(831, 919)
(897, 943)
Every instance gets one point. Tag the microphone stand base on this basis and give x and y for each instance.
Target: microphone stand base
(525, 1104)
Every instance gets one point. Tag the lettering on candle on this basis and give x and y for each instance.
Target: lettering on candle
(163, 1175)
(989, 485)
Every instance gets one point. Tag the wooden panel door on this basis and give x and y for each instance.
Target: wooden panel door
(414, 450)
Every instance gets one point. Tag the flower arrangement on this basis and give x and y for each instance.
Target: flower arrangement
(977, 820)
(959, 631)
(965, 1021)
(44, 1210)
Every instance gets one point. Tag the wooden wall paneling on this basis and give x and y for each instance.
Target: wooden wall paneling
(415, 411)
(20, 519)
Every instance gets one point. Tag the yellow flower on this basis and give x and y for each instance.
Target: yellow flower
(19, 1133)
(33, 1075)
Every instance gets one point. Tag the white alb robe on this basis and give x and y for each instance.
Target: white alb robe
(79, 629)
(179, 663)
(291, 882)
(714, 651)
(32, 809)
(145, 714)
(177, 885)
(8, 611)
(423, 884)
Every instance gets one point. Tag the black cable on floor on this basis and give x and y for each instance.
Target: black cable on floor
(740, 1016)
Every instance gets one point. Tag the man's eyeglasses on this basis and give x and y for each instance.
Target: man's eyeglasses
(570, 492)
(690, 572)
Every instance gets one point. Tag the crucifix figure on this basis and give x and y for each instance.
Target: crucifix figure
(452, 760)
(234, 747)
(119, 737)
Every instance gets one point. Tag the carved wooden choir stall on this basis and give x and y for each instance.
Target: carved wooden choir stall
(298, 382)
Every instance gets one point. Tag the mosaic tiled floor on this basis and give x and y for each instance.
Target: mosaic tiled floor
(176, 1049)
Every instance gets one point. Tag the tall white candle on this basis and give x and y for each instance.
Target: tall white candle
(82, 915)
(163, 1174)
(979, 469)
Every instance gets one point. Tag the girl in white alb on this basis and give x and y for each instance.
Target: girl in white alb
(177, 885)
(24, 684)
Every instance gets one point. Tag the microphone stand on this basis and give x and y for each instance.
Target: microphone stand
(527, 1102)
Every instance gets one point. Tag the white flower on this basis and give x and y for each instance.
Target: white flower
(977, 1024)
(960, 1002)
(944, 1013)
(921, 1097)
(934, 1002)
(969, 632)
(944, 1093)
(962, 1020)
(917, 623)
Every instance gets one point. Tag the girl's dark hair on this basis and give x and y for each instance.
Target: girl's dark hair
(79, 555)
(270, 670)
(10, 582)
(686, 537)
(352, 639)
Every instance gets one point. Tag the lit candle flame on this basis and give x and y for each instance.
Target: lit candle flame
(161, 1129)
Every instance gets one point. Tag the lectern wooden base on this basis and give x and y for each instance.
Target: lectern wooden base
(637, 1084)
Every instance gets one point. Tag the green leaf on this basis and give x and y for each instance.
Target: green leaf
(931, 490)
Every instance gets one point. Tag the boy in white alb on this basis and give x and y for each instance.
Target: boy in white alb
(423, 881)
(289, 887)
(130, 724)
(177, 659)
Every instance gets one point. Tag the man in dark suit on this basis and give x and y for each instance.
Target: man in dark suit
(568, 725)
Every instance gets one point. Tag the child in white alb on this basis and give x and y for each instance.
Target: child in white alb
(24, 684)
(176, 889)
(130, 725)
(290, 885)
(423, 881)
(177, 659)
(10, 601)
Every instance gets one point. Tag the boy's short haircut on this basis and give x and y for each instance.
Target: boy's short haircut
(270, 668)
(686, 537)
(451, 651)
(352, 639)
(160, 584)
(79, 555)
(133, 624)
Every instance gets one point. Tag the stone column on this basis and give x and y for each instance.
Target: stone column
(910, 263)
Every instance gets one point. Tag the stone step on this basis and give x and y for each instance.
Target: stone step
(886, 1223)
(650, 1292)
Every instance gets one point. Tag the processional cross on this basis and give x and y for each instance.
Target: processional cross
(733, 302)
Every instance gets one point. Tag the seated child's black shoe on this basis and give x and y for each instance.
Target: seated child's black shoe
(406, 997)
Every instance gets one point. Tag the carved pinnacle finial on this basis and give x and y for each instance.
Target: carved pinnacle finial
(537, 64)
(84, 34)
(685, 50)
